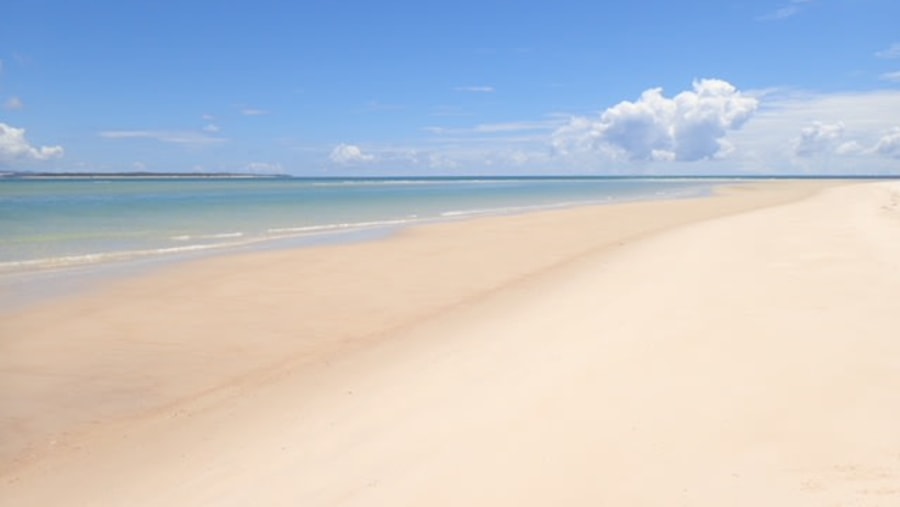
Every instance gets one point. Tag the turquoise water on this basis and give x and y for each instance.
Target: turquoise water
(53, 224)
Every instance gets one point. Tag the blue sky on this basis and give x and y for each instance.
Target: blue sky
(384, 87)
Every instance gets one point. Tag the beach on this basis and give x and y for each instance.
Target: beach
(739, 349)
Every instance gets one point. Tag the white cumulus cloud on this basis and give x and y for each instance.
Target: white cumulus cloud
(889, 144)
(15, 147)
(349, 154)
(690, 126)
(850, 125)
(850, 148)
(818, 137)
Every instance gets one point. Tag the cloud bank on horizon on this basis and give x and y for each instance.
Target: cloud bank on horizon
(387, 89)
(701, 130)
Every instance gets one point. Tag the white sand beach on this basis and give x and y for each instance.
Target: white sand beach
(736, 350)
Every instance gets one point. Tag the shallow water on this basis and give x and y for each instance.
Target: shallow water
(59, 236)
(55, 223)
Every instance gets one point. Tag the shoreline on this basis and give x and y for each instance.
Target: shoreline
(21, 289)
(103, 290)
(232, 324)
(23, 280)
(324, 267)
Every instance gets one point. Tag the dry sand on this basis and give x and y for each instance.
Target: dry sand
(737, 350)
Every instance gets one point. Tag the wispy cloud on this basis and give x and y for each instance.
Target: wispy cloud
(890, 53)
(893, 77)
(444, 157)
(475, 89)
(13, 104)
(500, 128)
(792, 8)
(251, 111)
(517, 126)
(374, 106)
(211, 127)
(182, 137)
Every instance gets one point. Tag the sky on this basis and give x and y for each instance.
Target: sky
(486, 87)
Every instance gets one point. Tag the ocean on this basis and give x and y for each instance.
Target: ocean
(56, 226)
